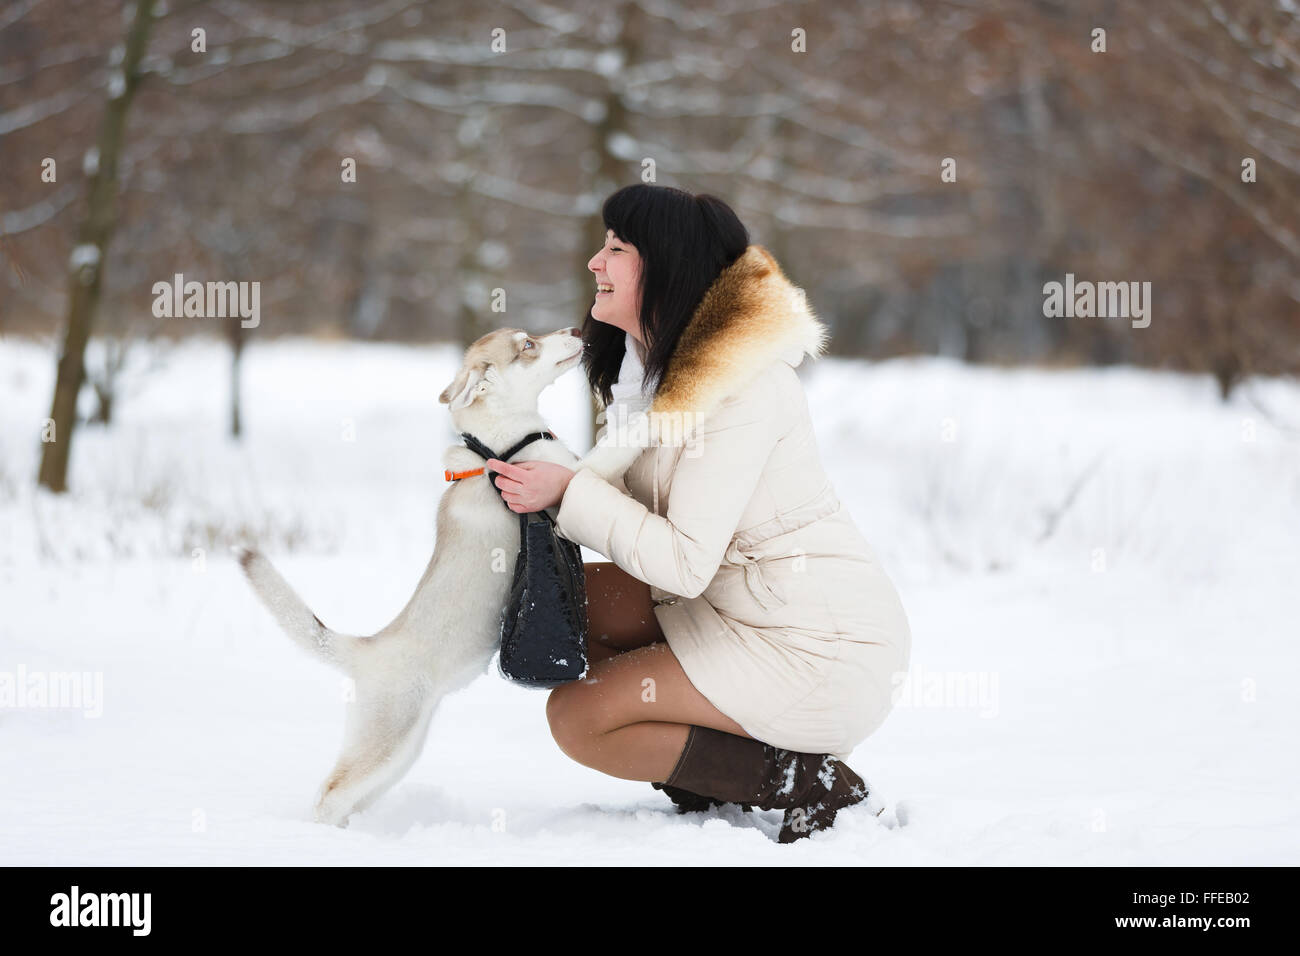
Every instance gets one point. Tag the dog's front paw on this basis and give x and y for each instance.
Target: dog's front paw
(609, 462)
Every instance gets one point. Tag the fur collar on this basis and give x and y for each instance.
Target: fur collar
(750, 317)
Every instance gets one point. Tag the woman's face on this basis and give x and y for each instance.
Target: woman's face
(617, 268)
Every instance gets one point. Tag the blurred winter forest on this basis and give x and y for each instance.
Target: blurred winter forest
(1134, 142)
(399, 177)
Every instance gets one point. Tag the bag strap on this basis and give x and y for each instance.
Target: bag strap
(484, 452)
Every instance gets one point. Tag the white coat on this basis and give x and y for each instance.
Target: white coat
(765, 589)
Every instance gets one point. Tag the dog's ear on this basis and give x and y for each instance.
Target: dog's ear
(465, 388)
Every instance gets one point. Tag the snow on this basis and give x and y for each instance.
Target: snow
(608, 62)
(1097, 566)
(83, 256)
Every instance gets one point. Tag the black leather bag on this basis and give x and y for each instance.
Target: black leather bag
(544, 626)
(544, 622)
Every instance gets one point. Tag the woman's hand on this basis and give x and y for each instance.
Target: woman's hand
(530, 485)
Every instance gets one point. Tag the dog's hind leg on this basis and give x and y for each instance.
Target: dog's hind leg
(382, 741)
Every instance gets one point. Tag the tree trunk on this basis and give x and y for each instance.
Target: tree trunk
(473, 319)
(86, 268)
(237, 337)
(611, 171)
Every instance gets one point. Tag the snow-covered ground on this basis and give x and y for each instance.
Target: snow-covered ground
(1099, 567)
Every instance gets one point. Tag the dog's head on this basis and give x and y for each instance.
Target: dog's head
(507, 369)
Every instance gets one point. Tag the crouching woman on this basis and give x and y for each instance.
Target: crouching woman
(744, 638)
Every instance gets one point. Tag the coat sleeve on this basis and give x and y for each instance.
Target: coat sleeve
(713, 482)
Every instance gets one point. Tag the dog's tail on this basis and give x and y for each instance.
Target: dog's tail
(290, 612)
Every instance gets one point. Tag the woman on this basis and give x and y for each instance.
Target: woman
(744, 640)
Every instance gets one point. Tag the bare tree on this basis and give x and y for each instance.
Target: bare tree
(486, 137)
(85, 268)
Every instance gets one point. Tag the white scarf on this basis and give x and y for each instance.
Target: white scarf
(627, 406)
(627, 391)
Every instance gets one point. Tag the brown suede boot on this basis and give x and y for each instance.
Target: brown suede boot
(810, 788)
(687, 802)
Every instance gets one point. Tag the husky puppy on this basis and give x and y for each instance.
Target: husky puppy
(449, 630)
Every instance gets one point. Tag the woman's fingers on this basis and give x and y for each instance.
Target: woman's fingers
(508, 484)
(506, 468)
(520, 485)
(515, 501)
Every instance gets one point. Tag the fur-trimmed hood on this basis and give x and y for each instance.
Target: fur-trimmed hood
(750, 317)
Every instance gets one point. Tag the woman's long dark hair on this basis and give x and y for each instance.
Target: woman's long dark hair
(684, 241)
